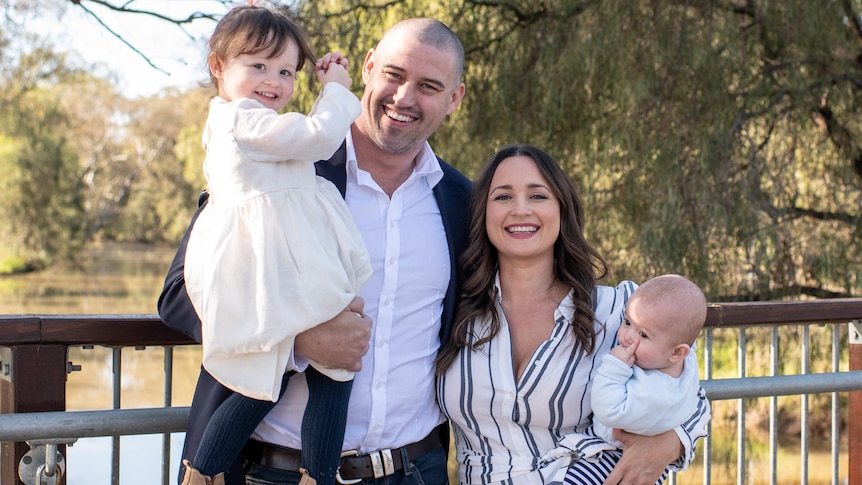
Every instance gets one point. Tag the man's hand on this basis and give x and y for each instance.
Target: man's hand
(339, 343)
(644, 457)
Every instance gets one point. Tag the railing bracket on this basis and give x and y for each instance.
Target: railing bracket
(43, 464)
(6, 364)
(855, 332)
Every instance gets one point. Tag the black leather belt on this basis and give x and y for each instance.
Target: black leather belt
(354, 467)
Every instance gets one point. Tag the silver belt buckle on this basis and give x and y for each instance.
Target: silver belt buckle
(388, 462)
(382, 465)
(344, 481)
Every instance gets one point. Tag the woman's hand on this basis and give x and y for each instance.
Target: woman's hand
(644, 457)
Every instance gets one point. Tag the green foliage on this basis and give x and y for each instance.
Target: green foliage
(716, 140)
(687, 127)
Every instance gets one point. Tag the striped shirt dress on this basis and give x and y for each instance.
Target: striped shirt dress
(536, 430)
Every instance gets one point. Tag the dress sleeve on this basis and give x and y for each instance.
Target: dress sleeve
(267, 136)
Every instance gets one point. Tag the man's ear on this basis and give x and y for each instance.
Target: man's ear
(680, 352)
(367, 66)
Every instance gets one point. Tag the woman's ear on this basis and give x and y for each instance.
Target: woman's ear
(680, 352)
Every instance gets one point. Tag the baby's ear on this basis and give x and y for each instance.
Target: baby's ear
(680, 352)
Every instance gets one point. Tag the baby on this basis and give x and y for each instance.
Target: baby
(649, 383)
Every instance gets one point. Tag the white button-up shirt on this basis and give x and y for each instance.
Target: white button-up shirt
(393, 399)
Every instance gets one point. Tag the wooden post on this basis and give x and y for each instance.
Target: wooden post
(854, 411)
(36, 382)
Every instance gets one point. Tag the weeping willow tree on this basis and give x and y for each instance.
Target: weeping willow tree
(718, 139)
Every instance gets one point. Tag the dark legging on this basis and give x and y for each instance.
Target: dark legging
(322, 428)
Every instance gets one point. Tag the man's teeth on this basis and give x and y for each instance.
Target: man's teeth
(398, 117)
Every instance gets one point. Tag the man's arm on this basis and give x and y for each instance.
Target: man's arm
(175, 308)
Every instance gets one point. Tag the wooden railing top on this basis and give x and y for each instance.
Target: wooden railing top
(102, 329)
(784, 312)
(145, 330)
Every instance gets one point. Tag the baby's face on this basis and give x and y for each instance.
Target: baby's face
(650, 324)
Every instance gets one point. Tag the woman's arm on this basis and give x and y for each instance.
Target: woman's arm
(645, 458)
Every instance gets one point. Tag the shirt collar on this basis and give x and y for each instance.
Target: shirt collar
(427, 164)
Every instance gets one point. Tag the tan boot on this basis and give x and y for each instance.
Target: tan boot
(194, 477)
(306, 478)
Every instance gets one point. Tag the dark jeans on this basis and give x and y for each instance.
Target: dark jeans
(322, 428)
(429, 469)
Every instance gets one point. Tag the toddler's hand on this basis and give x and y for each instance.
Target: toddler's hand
(333, 68)
(626, 354)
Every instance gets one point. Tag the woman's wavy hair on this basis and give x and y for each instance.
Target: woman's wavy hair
(250, 29)
(577, 264)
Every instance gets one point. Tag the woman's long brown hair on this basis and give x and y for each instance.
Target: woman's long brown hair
(578, 265)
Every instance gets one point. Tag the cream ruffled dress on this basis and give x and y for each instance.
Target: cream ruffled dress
(275, 251)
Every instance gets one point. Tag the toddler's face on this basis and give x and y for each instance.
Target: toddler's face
(268, 80)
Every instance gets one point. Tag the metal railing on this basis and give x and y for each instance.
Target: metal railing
(35, 426)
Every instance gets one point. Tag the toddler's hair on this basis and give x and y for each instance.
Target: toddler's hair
(249, 30)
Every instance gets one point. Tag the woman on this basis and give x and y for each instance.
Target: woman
(531, 328)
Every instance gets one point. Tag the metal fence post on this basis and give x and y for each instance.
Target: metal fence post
(854, 412)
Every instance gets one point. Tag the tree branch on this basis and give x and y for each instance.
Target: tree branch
(180, 22)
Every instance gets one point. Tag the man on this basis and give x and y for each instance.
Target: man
(411, 208)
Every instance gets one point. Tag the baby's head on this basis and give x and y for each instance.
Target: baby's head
(666, 314)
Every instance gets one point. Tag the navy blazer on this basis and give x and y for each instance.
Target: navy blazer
(453, 194)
